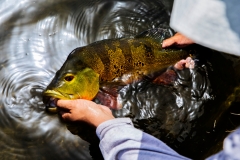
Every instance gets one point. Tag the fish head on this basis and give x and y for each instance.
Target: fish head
(73, 81)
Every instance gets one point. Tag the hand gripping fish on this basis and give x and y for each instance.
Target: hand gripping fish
(111, 62)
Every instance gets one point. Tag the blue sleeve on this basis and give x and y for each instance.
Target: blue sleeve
(231, 148)
(120, 140)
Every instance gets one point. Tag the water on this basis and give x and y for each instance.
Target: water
(35, 39)
(37, 36)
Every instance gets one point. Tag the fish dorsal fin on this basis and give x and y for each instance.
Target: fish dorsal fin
(158, 34)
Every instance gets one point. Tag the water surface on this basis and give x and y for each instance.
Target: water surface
(37, 36)
(35, 39)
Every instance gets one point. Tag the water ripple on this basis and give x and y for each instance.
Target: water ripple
(35, 39)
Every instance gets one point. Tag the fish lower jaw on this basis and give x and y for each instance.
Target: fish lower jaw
(51, 102)
(52, 110)
(51, 105)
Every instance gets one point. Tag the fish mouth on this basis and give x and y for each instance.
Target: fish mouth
(50, 98)
(54, 94)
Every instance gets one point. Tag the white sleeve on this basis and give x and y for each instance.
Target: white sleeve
(120, 140)
(211, 23)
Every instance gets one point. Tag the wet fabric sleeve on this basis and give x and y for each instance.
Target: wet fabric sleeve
(120, 140)
(211, 23)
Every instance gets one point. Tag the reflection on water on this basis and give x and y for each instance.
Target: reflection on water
(37, 36)
(35, 39)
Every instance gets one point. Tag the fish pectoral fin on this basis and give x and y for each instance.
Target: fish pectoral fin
(108, 100)
(166, 78)
(112, 88)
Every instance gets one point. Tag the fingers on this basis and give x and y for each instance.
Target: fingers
(66, 116)
(168, 42)
(185, 63)
(84, 110)
(68, 104)
(180, 64)
(65, 104)
(178, 40)
(190, 63)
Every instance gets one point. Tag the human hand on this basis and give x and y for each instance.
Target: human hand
(84, 110)
(178, 40)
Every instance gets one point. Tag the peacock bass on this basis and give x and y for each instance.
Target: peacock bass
(111, 62)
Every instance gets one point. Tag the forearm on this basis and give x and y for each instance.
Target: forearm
(120, 140)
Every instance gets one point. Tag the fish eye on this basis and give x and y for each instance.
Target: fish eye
(68, 78)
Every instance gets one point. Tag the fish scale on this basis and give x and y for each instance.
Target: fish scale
(106, 62)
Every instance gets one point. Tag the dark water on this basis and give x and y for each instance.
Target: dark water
(37, 36)
(35, 39)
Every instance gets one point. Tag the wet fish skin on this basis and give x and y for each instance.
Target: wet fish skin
(105, 62)
(113, 58)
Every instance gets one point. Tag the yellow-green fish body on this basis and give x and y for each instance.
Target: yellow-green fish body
(119, 61)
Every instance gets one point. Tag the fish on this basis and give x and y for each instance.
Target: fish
(110, 63)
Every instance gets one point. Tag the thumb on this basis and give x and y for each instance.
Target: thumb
(66, 115)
